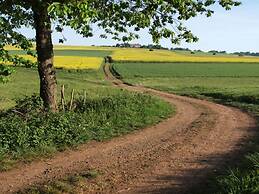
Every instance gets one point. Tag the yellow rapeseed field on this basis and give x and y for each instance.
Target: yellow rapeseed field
(73, 62)
(9, 47)
(136, 55)
(144, 55)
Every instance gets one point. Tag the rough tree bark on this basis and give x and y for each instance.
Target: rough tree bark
(44, 47)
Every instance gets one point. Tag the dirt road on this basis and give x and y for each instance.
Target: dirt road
(171, 157)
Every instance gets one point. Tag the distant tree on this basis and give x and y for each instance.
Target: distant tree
(180, 49)
(200, 51)
(162, 18)
(218, 52)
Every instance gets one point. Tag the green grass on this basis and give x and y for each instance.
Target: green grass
(203, 85)
(231, 82)
(131, 70)
(227, 83)
(25, 82)
(80, 53)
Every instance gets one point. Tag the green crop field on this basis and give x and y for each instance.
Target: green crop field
(182, 78)
(236, 82)
(129, 70)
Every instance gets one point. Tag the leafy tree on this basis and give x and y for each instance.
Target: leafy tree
(120, 19)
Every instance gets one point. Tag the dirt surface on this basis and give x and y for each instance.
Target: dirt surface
(171, 157)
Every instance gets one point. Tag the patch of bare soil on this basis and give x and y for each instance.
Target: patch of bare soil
(170, 157)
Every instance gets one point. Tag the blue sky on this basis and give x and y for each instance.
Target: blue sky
(235, 30)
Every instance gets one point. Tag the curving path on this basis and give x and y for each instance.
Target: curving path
(171, 157)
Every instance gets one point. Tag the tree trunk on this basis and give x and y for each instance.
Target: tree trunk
(44, 46)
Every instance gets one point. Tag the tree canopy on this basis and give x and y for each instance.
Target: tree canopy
(120, 19)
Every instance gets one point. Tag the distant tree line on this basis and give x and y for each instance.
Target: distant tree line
(154, 46)
(215, 52)
(218, 52)
(150, 46)
(180, 49)
(246, 54)
(127, 45)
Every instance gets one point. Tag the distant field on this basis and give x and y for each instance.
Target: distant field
(144, 55)
(73, 59)
(233, 82)
(67, 47)
(73, 62)
(230, 79)
(218, 75)
(78, 53)
(131, 70)
(135, 55)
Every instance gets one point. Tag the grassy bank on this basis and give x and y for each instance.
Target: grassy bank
(27, 132)
(232, 84)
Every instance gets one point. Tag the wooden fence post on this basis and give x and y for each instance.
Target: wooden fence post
(71, 100)
(63, 97)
